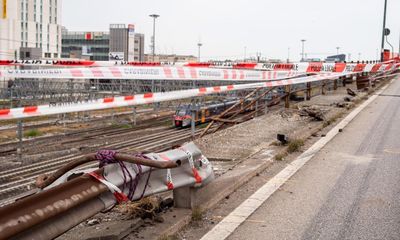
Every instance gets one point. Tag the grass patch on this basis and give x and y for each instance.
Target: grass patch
(197, 214)
(32, 133)
(295, 145)
(169, 237)
(332, 120)
(281, 156)
(121, 125)
(276, 143)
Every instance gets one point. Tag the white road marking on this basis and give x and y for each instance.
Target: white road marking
(231, 222)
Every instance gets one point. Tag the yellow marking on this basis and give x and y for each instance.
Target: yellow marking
(4, 9)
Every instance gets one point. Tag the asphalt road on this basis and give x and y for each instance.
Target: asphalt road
(349, 190)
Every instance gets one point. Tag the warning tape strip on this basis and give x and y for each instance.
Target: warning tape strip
(281, 71)
(312, 67)
(150, 73)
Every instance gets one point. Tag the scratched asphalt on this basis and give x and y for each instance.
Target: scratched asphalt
(349, 190)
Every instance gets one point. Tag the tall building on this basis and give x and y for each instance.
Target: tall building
(86, 45)
(121, 43)
(30, 29)
(124, 41)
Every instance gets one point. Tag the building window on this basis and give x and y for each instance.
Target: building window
(55, 55)
(47, 55)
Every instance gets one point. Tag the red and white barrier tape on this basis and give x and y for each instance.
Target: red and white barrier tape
(313, 67)
(105, 103)
(190, 73)
(150, 73)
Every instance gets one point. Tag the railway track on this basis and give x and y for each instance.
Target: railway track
(8, 149)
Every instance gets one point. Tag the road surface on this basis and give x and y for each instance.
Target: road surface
(349, 190)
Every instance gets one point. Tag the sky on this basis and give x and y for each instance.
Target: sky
(231, 29)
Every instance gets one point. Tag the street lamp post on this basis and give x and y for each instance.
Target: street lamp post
(199, 45)
(154, 16)
(383, 30)
(302, 49)
(337, 50)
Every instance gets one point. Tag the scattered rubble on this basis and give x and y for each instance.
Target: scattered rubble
(351, 92)
(314, 112)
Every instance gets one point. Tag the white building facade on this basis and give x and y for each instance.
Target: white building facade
(30, 29)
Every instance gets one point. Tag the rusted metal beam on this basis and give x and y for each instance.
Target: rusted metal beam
(29, 212)
(247, 106)
(228, 110)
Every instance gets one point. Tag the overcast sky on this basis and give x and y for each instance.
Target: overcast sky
(227, 27)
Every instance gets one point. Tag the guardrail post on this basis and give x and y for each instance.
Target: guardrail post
(134, 115)
(308, 91)
(19, 135)
(335, 85)
(287, 97)
(256, 107)
(323, 90)
(193, 122)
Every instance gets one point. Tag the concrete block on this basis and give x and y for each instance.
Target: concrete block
(185, 197)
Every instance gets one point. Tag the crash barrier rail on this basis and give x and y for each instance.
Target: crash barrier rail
(69, 201)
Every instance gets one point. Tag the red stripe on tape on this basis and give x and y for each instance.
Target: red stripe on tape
(108, 100)
(226, 76)
(97, 72)
(359, 67)
(388, 67)
(314, 67)
(170, 186)
(30, 109)
(193, 73)
(376, 67)
(217, 89)
(284, 67)
(181, 72)
(129, 98)
(241, 75)
(167, 72)
(203, 90)
(76, 73)
(196, 175)
(230, 87)
(268, 84)
(234, 74)
(115, 72)
(148, 95)
(6, 63)
(4, 112)
(73, 63)
(340, 67)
